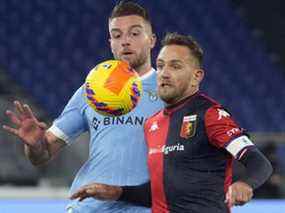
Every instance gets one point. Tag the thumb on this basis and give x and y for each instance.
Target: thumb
(42, 125)
(90, 192)
(229, 197)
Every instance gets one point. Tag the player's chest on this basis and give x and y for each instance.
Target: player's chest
(180, 136)
(148, 105)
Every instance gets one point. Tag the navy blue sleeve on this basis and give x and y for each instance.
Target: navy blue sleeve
(138, 195)
(258, 168)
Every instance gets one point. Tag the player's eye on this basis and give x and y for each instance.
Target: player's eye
(135, 33)
(116, 35)
(159, 66)
(176, 66)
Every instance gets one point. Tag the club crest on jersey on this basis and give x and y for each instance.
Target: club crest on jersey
(188, 127)
(152, 95)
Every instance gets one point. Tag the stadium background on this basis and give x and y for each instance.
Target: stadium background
(48, 47)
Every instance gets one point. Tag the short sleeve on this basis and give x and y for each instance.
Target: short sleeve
(223, 131)
(71, 123)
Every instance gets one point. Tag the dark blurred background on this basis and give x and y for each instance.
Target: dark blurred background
(48, 46)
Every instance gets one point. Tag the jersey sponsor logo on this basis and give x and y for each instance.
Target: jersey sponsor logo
(95, 123)
(188, 127)
(122, 120)
(233, 131)
(222, 113)
(153, 127)
(166, 149)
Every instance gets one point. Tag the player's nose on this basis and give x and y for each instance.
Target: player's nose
(126, 41)
(165, 72)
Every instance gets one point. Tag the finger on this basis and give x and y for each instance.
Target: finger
(239, 198)
(42, 125)
(19, 108)
(229, 199)
(242, 197)
(88, 192)
(28, 112)
(77, 193)
(240, 203)
(11, 130)
(245, 197)
(13, 118)
(74, 196)
(91, 191)
(83, 197)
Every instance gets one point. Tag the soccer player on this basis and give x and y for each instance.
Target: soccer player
(118, 151)
(191, 144)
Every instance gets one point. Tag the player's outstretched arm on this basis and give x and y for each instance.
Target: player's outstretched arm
(139, 195)
(40, 145)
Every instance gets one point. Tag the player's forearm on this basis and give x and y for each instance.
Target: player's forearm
(258, 168)
(39, 154)
(139, 195)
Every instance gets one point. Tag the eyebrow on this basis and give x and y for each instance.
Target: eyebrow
(176, 61)
(132, 27)
(171, 61)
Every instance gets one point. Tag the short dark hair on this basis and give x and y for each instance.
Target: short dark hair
(127, 8)
(184, 40)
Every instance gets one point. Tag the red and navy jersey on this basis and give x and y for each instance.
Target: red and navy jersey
(191, 148)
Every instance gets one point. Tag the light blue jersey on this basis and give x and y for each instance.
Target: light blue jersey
(117, 150)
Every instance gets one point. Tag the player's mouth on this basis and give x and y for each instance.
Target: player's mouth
(165, 84)
(127, 53)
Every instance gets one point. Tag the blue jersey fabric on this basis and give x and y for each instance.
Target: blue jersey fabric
(117, 149)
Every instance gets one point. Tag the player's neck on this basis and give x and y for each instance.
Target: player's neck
(144, 69)
(176, 101)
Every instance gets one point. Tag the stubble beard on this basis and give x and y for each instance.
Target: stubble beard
(171, 95)
(137, 62)
(166, 96)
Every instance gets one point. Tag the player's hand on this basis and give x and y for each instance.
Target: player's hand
(28, 128)
(98, 191)
(238, 194)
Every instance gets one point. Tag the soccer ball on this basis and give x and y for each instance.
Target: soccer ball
(113, 88)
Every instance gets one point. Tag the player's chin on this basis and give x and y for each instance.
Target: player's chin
(130, 58)
(165, 95)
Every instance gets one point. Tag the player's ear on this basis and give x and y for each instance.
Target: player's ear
(153, 39)
(198, 76)
(110, 43)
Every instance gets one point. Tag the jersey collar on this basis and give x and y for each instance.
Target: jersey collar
(172, 108)
(147, 74)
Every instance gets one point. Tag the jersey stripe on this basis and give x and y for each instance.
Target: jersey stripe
(157, 131)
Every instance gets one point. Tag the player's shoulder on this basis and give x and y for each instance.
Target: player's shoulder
(209, 104)
(205, 99)
(78, 98)
(214, 109)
